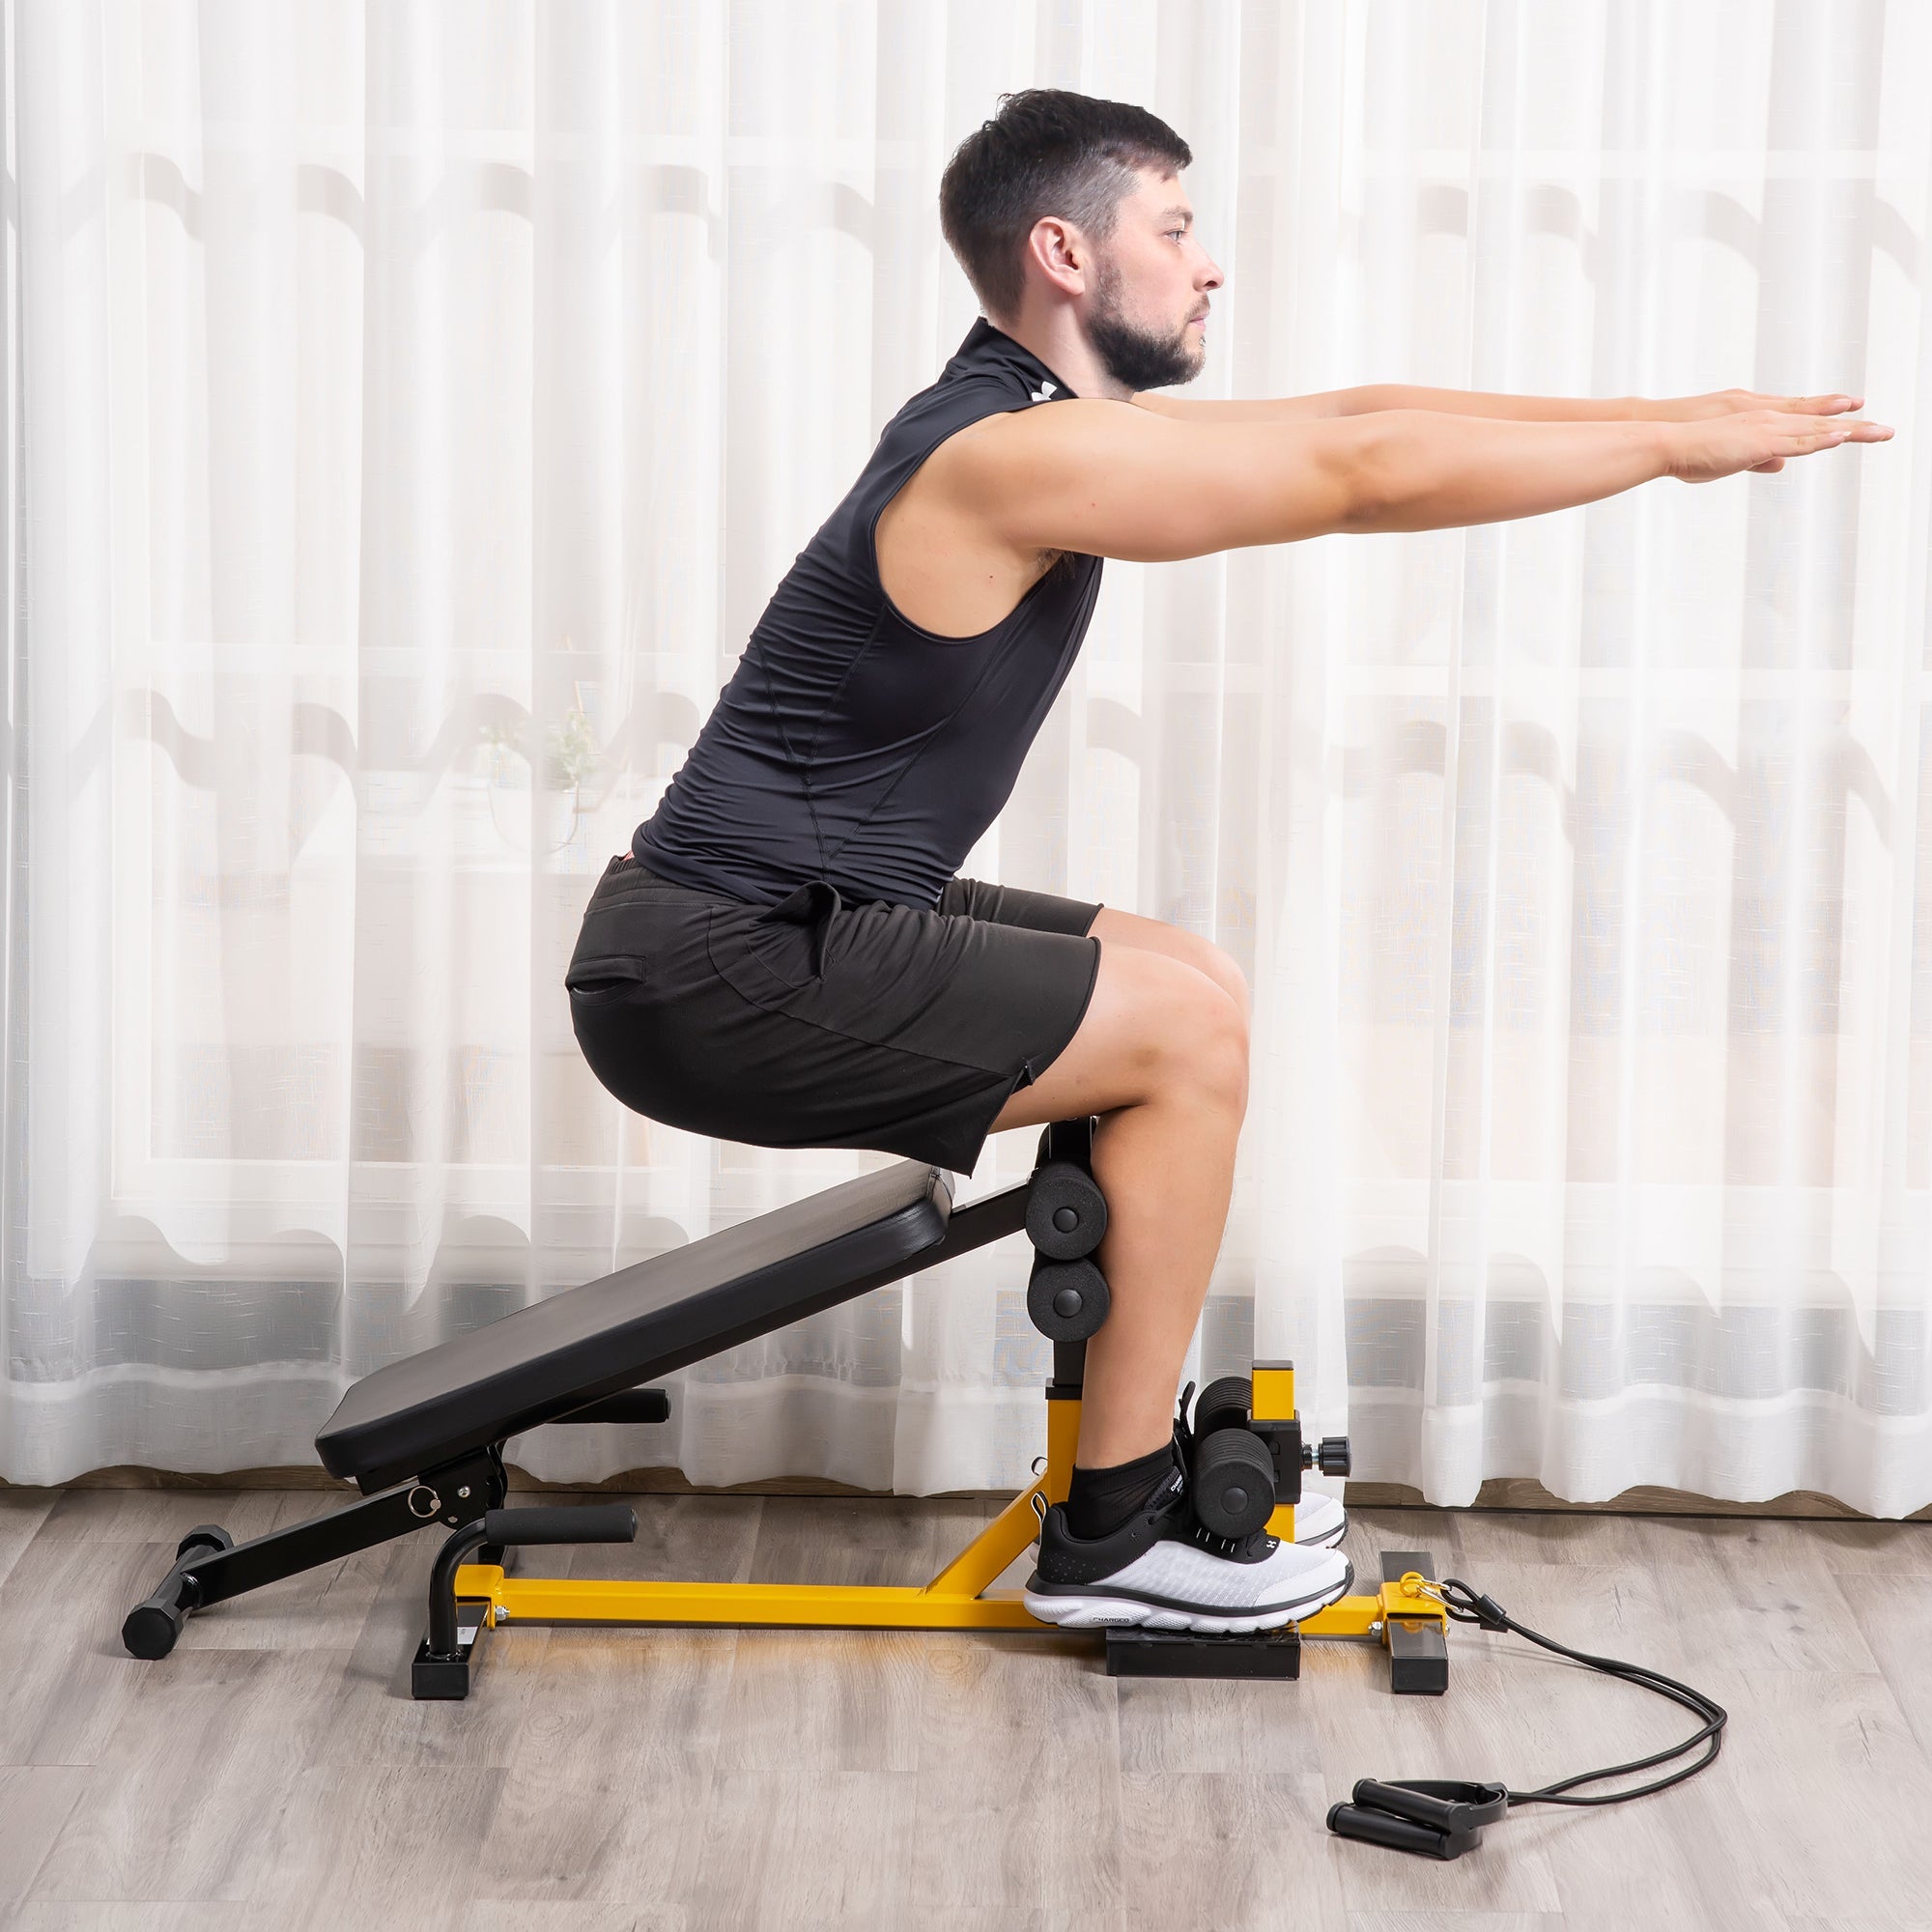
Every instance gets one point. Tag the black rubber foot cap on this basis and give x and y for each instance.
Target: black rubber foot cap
(149, 1632)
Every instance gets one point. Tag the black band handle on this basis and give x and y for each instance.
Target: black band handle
(1384, 1828)
(1434, 1817)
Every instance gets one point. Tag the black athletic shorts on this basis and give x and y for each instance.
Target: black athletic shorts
(815, 1023)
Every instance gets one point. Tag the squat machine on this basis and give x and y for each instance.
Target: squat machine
(423, 1440)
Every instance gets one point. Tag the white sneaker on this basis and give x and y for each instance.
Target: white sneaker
(1320, 1523)
(1162, 1571)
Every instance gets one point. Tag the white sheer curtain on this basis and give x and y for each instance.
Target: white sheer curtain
(410, 411)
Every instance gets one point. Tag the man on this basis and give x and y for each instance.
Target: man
(784, 956)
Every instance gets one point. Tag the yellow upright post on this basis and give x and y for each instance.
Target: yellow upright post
(1274, 1402)
(1063, 1438)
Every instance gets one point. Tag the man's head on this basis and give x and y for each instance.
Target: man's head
(1069, 202)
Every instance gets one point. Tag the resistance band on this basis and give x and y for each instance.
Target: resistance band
(1443, 1818)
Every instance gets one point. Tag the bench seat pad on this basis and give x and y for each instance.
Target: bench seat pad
(630, 1327)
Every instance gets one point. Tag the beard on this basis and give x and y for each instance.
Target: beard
(1129, 354)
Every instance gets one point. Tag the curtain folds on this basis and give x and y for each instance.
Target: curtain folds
(408, 412)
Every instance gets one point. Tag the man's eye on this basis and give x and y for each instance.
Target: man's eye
(1177, 232)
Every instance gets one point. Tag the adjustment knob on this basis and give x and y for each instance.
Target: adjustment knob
(1332, 1457)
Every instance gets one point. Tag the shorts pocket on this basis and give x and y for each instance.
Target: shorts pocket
(593, 981)
(772, 955)
(770, 963)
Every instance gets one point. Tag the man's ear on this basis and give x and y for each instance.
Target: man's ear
(1061, 251)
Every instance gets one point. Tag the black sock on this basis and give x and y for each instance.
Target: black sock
(1098, 1501)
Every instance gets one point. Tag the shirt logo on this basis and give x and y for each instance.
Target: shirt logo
(1043, 394)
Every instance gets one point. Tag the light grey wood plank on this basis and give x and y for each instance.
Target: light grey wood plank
(1205, 1725)
(834, 1700)
(784, 1851)
(190, 1782)
(78, 1586)
(597, 1834)
(1895, 1619)
(1018, 1779)
(387, 1837)
(1761, 1593)
(490, 1915)
(64, 1699)
(199, 1915)
(1460, 1921)
(1865, 1548)
(165, 1832)
(22, 1512)
(1818, 1805)
(1039, 1837)
(364, 1912)
(635, 1713)
(640, 1701)
(1227, 1852)
(35, 1803)
(975, 1917)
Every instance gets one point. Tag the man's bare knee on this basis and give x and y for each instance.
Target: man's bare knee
(1155, 1029)
(1205, 1053)
(1229, 977)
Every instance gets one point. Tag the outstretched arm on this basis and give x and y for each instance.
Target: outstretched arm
(1376, 396)
(1105, 479)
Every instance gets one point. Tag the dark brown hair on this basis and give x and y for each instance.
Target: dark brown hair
(1046, 152)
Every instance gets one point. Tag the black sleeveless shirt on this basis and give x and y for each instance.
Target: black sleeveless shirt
(850, 745)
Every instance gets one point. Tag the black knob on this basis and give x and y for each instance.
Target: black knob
(1332, 1457)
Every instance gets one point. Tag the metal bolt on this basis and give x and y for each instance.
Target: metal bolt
(463, 1491)
(502, 1616)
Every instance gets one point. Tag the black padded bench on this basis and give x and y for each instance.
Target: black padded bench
(545, 1363)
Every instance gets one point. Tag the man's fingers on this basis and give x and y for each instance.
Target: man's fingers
(1845, 428)
(1826, 435)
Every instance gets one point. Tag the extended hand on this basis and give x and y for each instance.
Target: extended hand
(1735, 402)
(1758, 439)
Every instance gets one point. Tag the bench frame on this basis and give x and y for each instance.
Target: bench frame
(468, 1596)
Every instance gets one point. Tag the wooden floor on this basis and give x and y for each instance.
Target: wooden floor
(274, 1771)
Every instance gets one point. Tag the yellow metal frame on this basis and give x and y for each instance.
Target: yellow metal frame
(959, 1598)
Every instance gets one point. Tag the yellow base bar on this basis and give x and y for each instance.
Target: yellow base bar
(960, 1597)
(751, 1604)
(855, 1606)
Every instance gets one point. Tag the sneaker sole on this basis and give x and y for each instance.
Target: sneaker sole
(1332, 1540)
(1098, 1612)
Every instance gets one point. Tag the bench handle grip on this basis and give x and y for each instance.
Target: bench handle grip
(614, 1522)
